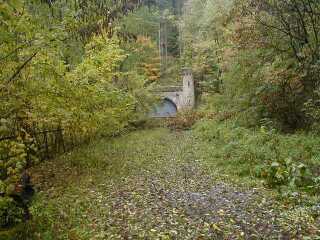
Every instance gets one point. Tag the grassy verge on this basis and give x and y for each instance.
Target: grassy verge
(287, 164)
(243, 152)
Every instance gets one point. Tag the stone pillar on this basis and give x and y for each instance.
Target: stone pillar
(188, 94)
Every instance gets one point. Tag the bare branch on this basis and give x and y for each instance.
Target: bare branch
(22, 67)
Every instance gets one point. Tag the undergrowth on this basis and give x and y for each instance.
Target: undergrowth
(184, 120)
(285, 162)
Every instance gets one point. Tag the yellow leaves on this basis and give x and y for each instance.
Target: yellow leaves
(215, 227)
(13, 161)
(152, 69)
(101, 63)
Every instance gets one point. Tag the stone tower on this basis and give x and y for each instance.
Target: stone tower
(188, 94)
(175, 98)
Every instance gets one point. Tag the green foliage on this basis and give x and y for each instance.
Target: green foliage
(142, 22)
(143, 57)
(312, 110)
(290, 161)
(204, 39)
(13, 163)
(10, 213)
(286, 172)
(15, 155)
(261, 56)
(108, 106)
(61, 67)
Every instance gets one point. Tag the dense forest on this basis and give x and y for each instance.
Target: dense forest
(81, 158)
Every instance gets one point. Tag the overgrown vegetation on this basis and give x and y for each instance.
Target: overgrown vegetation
(286, 162)
(257, 70)
(263, 56)
(66, 67)
(184, 120)
(128, 188)
(77, 71)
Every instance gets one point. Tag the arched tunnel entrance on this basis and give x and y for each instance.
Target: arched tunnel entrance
(166, 108)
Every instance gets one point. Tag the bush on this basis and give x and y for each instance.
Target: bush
(15, 155)
(10, 212)
(286, 172)
(184, 120)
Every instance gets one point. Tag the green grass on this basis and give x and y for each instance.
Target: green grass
(237, 150)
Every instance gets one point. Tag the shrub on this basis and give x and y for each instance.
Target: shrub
(286, 172)
(10, 212)
(15, 155)
(184, 120)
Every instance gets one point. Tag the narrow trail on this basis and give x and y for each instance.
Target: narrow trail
(153, 186)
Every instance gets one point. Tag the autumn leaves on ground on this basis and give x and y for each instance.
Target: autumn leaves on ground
(78, 80)
(156, 184)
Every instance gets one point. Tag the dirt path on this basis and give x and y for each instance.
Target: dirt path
(153, 186)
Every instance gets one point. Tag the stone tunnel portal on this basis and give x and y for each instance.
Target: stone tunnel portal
(166, 108)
